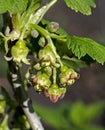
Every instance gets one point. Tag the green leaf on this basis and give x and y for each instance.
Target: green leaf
(93, 111)
(4, 124)
(13, 6)
(86, 49)
(48, 115)
(18, 6)
(90, 127)
(7, 98)
(54, 117)
(3, 6)
(82, 46)
(82, 6)
(73, 62)
(82, 115)
(68, 116)
(77, 114)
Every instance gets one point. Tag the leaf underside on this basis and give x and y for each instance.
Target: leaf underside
(82, 6)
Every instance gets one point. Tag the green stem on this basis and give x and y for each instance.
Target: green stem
(5, 41)
(61, 38)
(50, 42)
(46, 34)
(54, 75)
(40, 29)
(4, 123)
(2, 35)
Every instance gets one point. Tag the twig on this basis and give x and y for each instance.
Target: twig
(22, 96)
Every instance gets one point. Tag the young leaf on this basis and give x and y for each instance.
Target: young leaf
(82, 6)
(13, 6)
(7, 97)
(82, 46)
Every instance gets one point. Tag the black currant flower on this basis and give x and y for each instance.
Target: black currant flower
(55, 92)
(47, 56)
(19, 52)
(67, 76)
(41, 81)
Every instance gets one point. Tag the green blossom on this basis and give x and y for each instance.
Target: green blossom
(41, 82)
(19, 52)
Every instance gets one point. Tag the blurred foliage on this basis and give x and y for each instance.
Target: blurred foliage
(11, 115)
(74, 116)
(3, 65)
(1, 22)
(2, 61)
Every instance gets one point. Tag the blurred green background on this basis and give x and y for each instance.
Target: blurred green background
(84, 101)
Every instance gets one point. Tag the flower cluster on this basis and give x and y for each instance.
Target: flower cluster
(51, 78)
(36, 37)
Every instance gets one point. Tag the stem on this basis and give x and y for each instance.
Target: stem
(22, 97)
(61, 38)
(46, 34)
(54, 75)
(2, 35)
(50, 42)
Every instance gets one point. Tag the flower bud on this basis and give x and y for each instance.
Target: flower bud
(52, 27)
(42, 41)
(55, 93)
(45, 63)
(37, 66)
(41, 81)
(34, 33)
(54, 89)
(70, 82)
(19, 52)
(67, 76)
(63, 68)
(25, 122)
(14, 35)
(47, 55)
(47, 70)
